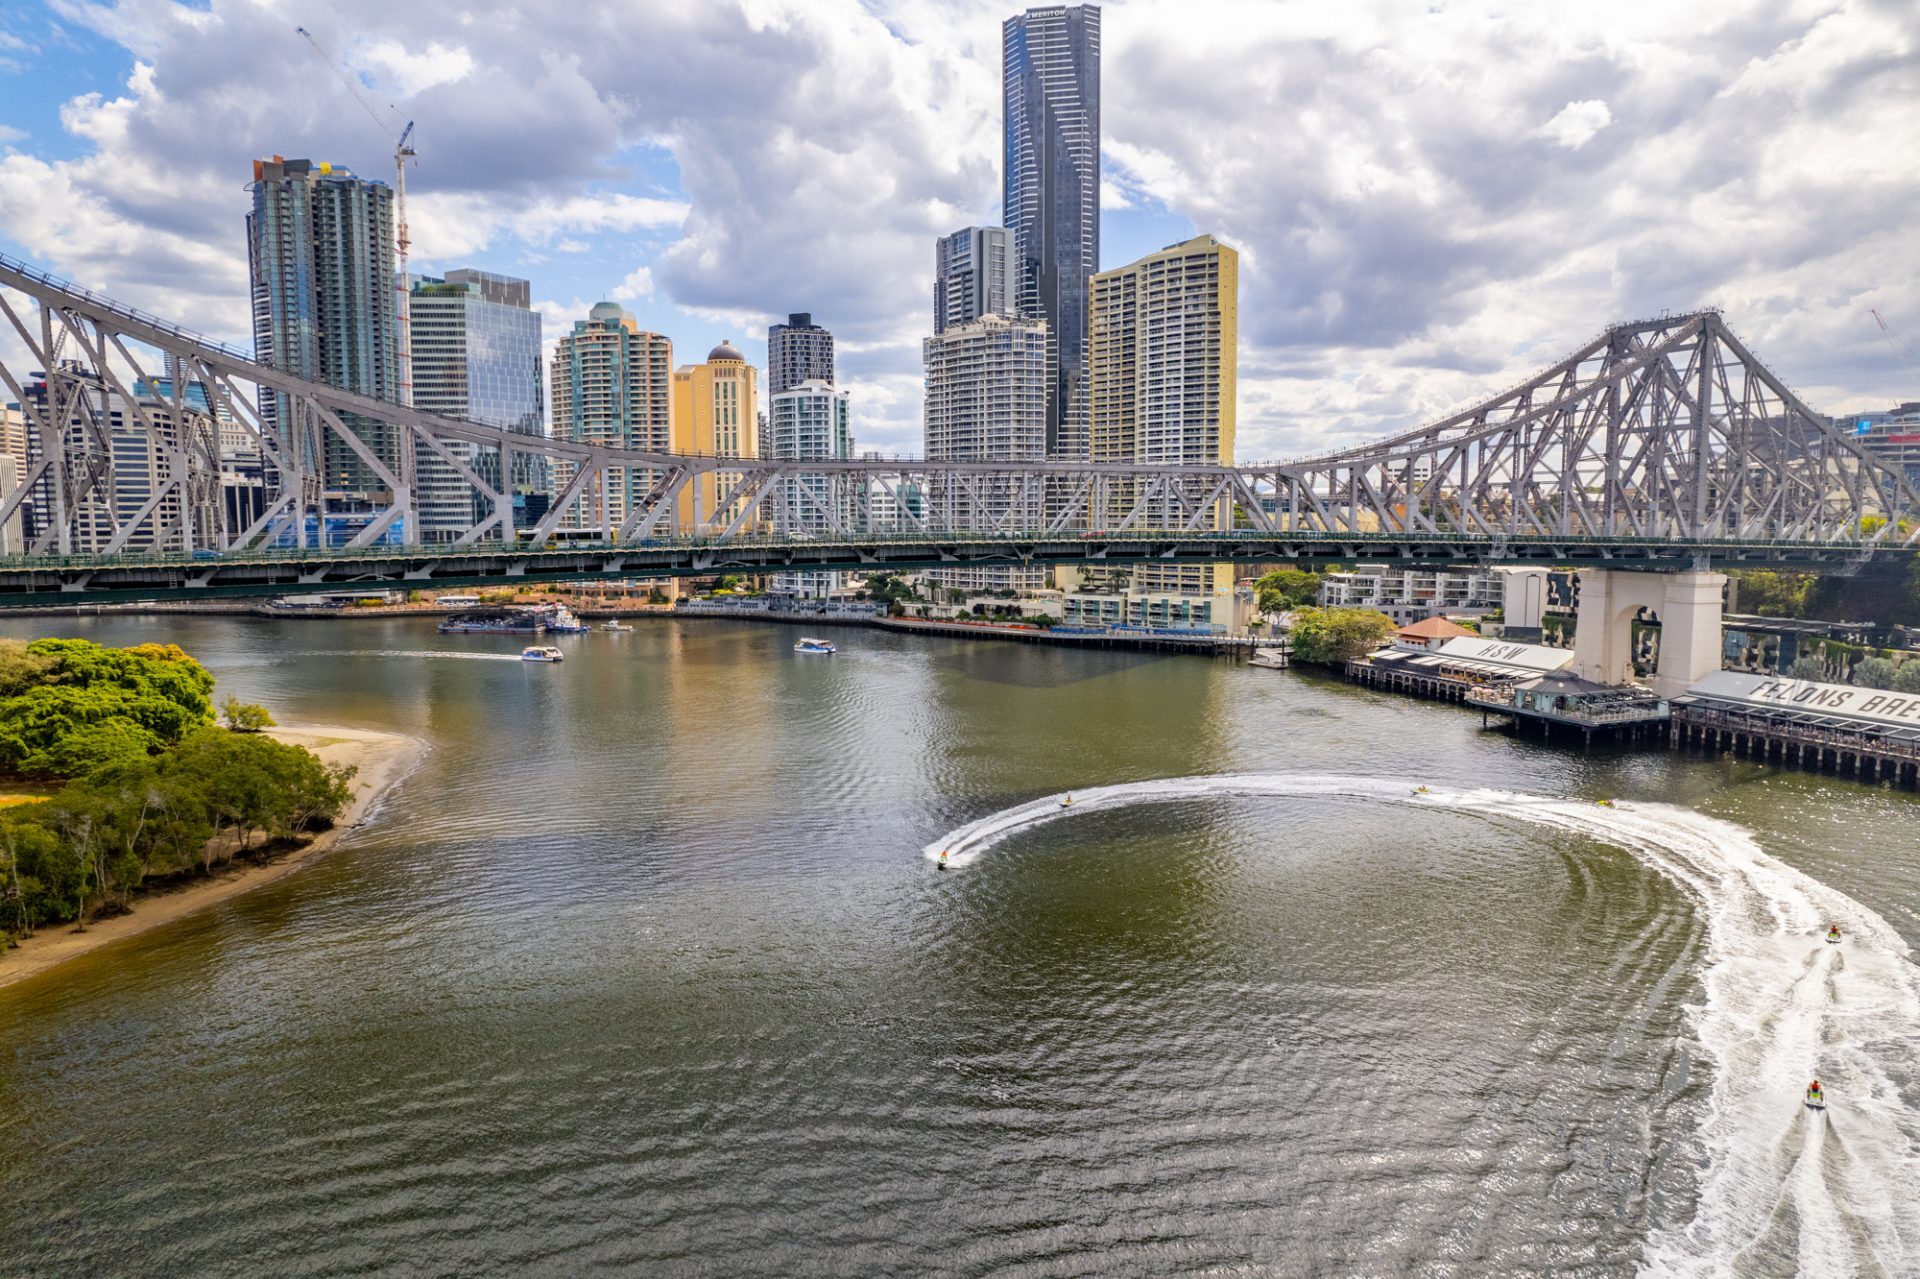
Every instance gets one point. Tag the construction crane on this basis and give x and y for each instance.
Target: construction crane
(402, 152)
(1893, 340)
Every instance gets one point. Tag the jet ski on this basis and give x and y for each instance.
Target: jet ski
(1423, 790)
(1067, 802)
(943, 859)
(1833, 935)
(1603, 803)
(1816, 1100)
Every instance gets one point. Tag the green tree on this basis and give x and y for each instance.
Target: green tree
(1330, 636)
(244, 717)
(1807, 667)
(152, 787)
(43, 880)
(1874, 672)
(20, 667)
(135, 700)
(1287, 588)
(1774, 594)
(1907, 678)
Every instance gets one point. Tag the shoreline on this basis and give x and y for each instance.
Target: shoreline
(383, 759)
(1162, 641)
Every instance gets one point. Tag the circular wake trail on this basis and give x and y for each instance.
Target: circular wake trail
(1782, 1187)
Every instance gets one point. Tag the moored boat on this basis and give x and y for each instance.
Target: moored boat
(559, 619)
(497, 621)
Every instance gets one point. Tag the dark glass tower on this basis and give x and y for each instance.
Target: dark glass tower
(1052, 75)
(796, 351)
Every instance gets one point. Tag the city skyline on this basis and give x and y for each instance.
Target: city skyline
(1404, 247)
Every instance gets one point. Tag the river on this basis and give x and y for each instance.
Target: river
(647, 968)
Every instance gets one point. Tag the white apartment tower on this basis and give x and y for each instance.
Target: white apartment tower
(986, 401)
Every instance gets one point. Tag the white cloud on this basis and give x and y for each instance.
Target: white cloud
(1576, 123)
(409, 71)
(637, 285)
(1428, 203)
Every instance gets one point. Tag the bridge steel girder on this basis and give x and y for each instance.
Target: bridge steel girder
(55, 581)
(1666, 431)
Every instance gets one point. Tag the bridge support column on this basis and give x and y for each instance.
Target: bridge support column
(1688, 605)
(1691, 646)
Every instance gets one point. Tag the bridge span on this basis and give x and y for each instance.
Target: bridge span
(54, 580)
(1660, 444)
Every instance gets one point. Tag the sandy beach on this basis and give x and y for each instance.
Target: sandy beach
(382, 758)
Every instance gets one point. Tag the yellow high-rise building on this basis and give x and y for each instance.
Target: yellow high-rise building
(1162, 370)
(715, 412)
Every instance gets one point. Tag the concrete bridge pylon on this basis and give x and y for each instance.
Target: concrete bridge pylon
(1689, 608)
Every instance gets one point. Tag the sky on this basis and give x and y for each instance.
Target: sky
(1431, 199)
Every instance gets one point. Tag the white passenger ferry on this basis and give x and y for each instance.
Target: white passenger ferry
(541, 653)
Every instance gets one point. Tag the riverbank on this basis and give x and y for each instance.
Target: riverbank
(382, 760)
(591, 611)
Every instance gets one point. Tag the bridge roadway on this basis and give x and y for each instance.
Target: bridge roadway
(52, 580)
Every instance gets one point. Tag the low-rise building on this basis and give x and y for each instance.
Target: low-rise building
(1412, 594)
(1156, 610)
(1893, 435)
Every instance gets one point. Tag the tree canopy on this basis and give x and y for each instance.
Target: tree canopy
(1331, 636)
(71, 706)
(152, 787)
(1287, 588)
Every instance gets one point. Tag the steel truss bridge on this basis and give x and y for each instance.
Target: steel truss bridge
(1659, 444)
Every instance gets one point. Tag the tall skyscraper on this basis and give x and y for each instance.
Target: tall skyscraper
(797, 351)
(986, 401)
(320, 251)
(476, 354)
(972, 276)
(1051, 66)
(1162, 372)
(714, 412)
(612, 385)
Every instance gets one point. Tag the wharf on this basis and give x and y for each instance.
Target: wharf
(1160, 641)
(1720, 715)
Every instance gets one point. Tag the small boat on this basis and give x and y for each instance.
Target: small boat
(615, 626)
(1816, 1100)
(808, 644)
(1833, 935)
(541, 653)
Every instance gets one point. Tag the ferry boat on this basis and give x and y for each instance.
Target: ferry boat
(541, 653)
(808, 644)
(561, 621)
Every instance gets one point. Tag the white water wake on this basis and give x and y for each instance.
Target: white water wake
(1782, 1188)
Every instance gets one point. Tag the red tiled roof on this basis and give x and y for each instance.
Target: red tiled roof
(1434, 628)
